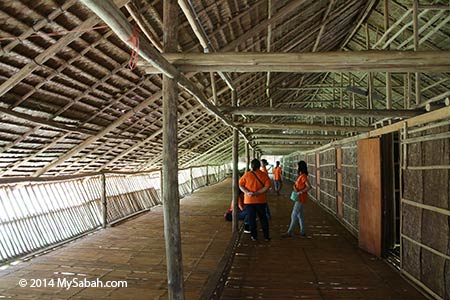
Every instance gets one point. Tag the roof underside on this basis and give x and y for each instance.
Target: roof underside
(60, 91)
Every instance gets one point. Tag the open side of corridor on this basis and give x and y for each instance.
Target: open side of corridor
(326, 264)
(133, 251)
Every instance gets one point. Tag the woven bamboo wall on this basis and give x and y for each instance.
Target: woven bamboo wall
(328, 179)
(350, 186)
(311, 162)
(425, 207)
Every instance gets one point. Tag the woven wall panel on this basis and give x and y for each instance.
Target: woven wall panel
(412, 222)
(432, 229)
(413, 185)
(435, 233)
(411, 258)
(350, 176)
(433, 267)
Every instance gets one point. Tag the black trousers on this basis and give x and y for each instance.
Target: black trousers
(260, 210)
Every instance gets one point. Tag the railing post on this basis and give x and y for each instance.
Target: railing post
(191, 180)
(207, 176)
(103, 199)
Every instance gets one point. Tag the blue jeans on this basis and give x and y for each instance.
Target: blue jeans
(297, 213)
(243, 215)
(277, 185)
(260, 210)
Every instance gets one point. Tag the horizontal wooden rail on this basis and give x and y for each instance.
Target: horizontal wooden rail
(292, 112)
(373, 61)
(301, 126)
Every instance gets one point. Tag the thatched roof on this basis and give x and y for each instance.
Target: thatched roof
(70, 104)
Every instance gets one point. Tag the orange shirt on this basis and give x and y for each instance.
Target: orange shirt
(250, 183)
(300, 184)
(277, 173)
(240, 202)
(264, 169)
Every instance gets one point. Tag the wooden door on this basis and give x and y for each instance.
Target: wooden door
(369, 195)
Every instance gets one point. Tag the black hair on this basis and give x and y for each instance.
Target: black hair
(264, 161)
(302, 167)
(278, 163)
(255, 164)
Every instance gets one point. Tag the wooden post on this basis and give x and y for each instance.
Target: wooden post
(388, 74)
(341, 99)
(416, 46)
(207, 176)
(104, 203)
(369, 77)
(161, 184)
(247, 152)
(352, 83)
(171, 199)
(235, 189)
(407, 104)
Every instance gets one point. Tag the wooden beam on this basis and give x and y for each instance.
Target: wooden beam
(201, 35)
(374, 61)
(144, 25)
(434, 6)
(280, 14)
(284, 136)
(263, 141)
(322, 26)
(322, 112)
(300, 126)
(115, 19)
(171, 198)
(364, 15)
(281, 146)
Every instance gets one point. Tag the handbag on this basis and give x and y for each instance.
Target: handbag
(294, 196)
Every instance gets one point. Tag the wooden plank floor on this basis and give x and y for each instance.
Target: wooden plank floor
(326, 264)
(133, 251)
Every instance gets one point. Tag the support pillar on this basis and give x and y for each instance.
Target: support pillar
(388, 74)
(235, 154)
(416, 47)
(247, 152)
(171, 200)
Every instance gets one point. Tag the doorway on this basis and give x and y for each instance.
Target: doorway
(390, 170)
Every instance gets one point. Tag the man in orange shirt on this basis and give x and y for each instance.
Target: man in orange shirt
(255, 184)
(277, 179)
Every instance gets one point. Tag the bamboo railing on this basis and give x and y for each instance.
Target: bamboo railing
(38, 215)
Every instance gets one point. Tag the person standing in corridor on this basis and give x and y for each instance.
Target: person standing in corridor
(301, 187)
(255, 184)
(277, 179)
